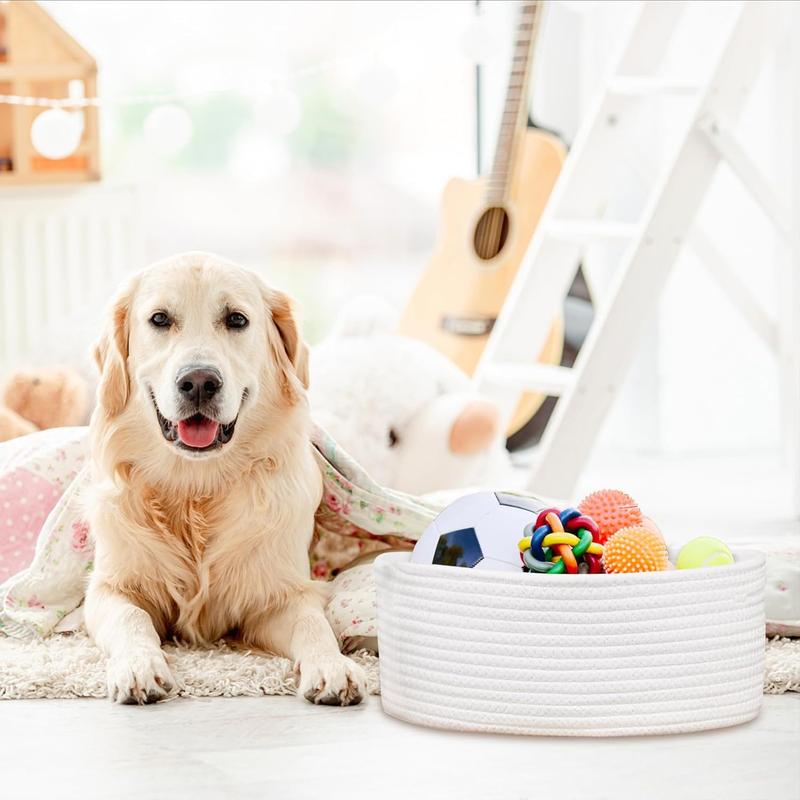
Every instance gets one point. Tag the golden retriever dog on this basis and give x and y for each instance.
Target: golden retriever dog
(205, 486)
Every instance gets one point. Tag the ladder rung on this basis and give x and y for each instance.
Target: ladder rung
(576, 230)
(634, 85)
(532, 377)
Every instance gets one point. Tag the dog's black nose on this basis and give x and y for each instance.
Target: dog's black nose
(199, 383)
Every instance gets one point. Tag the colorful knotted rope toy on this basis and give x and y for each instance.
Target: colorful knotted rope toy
(559, 540)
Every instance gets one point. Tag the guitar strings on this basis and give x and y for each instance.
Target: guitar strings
(489, 233)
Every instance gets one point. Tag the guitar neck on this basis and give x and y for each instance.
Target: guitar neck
(515, 108)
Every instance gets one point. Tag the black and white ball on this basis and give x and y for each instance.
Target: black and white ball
(479, 531)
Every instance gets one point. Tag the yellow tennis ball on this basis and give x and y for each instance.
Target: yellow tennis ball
(705, 551)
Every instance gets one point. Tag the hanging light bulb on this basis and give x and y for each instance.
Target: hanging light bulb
(168, 129)
(56, 133)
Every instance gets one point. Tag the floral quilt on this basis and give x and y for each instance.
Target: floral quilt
(46, 548)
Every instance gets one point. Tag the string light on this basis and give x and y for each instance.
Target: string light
(168, 128)
(56, 133)
(276, 84)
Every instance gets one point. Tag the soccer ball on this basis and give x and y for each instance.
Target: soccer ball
(480, 531)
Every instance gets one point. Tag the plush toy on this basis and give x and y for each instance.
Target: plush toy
(13, 425)
(403, 410)
(35, 399)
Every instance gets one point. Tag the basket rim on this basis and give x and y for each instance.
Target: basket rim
(747, 561)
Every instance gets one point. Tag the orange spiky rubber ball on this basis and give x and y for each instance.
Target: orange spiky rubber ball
(611, 510)
(635, 549)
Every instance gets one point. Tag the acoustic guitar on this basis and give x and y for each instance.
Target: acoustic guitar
(485, 230)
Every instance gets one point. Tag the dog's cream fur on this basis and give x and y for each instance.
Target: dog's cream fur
(204, 545)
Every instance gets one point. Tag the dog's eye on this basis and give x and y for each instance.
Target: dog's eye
(393, 438)
(236, 320)
(160, 320)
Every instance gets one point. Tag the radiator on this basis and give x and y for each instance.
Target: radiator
(62, 252)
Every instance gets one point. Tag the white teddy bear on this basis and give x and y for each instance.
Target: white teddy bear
(403, 410)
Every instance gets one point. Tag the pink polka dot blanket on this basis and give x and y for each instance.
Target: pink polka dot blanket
(46, 547)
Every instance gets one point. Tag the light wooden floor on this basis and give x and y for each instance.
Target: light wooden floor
(278, 747)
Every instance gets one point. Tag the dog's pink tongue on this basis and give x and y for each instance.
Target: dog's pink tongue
(198, 433)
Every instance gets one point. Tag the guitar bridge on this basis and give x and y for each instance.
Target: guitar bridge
(468, 326)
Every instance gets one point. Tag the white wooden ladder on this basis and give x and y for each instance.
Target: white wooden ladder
(647, 240)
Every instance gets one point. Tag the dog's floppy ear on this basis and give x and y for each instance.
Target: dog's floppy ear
(290, 351)
(111, 357)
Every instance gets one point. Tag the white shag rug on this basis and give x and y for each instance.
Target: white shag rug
(782, 666)
(69, 666)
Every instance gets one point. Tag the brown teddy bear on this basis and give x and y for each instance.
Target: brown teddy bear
(35, 399)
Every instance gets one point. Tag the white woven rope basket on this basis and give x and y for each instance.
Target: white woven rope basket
(571, 655)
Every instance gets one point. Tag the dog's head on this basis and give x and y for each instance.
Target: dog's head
(198, 353)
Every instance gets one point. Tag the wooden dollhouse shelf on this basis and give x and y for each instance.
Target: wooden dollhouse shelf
(39, 58)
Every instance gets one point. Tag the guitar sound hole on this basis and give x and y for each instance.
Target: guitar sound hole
(491, 233)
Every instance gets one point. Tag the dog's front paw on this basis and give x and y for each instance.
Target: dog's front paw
(139, 677)
(333, 680)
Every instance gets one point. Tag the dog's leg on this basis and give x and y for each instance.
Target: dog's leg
(137, 669)
(300, 631)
